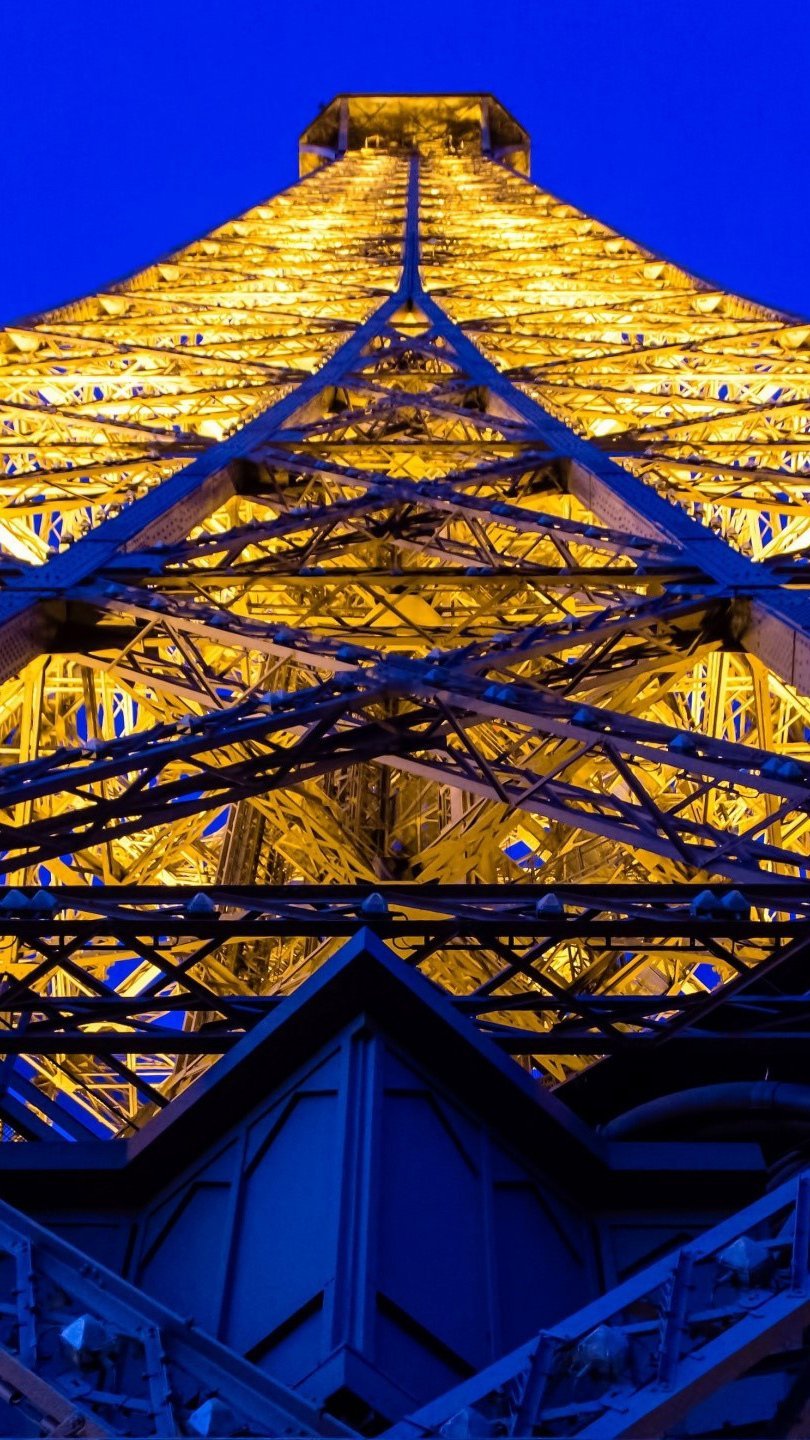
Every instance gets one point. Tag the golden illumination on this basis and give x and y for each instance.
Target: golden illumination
(703, 395)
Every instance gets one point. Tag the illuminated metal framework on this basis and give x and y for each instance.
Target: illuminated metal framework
(458, 934)
(411, 568)
(411, 530)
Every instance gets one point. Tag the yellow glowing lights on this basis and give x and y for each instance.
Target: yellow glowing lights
(325, 531)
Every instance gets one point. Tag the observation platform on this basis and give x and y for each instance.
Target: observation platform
(402, 124)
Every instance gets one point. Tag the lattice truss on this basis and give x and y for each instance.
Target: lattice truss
(320, 567)
(702, 393)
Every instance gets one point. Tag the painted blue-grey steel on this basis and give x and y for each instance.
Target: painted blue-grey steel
(154, 1370)
(763, 1012)
(637, 1361)
(368, 1201)
(364, 1198)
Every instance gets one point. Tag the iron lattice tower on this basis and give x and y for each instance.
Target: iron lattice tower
(412, 552)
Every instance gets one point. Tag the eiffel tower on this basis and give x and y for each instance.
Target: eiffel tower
(405, 818)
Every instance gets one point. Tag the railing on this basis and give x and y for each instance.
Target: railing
(637, 1360)
(82, 1352)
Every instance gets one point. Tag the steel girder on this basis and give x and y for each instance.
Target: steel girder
(373, 609)
(406, 541)
(140, 988)
(637, 1361)
(85, 1353)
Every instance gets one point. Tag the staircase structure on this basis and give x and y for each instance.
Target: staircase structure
(664, 1345)
(405, 820)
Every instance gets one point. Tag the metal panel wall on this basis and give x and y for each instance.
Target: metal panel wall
(362, 1234)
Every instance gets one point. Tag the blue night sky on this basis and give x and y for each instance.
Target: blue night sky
(131, 128)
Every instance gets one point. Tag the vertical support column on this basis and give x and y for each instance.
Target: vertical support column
(343, 127)
(486, 137)
(410, 285)
(347, 1317)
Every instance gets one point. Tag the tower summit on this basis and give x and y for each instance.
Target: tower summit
(421, 124)
(405, 669)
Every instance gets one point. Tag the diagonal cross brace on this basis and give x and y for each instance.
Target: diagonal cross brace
(714, 1323)
(779, 632)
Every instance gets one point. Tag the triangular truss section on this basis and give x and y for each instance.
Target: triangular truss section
(401, 624)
